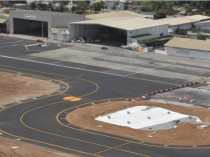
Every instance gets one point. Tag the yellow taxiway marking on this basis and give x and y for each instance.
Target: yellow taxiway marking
(71, 98)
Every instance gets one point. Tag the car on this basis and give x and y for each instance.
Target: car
(39, 40)
(104, 48)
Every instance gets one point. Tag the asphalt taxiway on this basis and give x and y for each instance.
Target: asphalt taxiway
(42, 121)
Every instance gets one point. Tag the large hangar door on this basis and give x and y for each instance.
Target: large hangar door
(30, 27)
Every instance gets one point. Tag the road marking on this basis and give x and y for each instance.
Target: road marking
(127, 151)
(26, 46)
(49, 144)
(77, 68)
(97, 87)
(22, 116)
(49, 133)
(72, 98)
(52, 74)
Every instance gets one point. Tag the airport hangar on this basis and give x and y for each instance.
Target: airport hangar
(39, 23)
(189, 48)
(118, 29)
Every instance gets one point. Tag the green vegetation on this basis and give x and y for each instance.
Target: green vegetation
(201, 37)
(96, 7)
(51, 6)
(81, 7)
(171, 8)
(160, 15)
(161, 8)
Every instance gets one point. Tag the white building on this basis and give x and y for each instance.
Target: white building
(203, 26)
(189, 48)
(184, 22)
(124, 28)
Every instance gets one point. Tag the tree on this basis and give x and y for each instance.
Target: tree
(62, 8)
(41, 6)
(33, 5)
(160, 15)
(201, 37)
(81, 7)
(73, 9)
(98, 6)
(50, 6)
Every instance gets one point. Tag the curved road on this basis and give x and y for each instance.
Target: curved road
(42, 121)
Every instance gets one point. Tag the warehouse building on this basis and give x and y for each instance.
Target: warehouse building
(184, 22)
(118, 29)
(189, 48)
(39, 23)
(203, 26)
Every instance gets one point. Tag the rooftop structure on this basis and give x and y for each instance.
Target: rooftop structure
(191, 44)
(184, 19)
(124, 23)
(113, 14)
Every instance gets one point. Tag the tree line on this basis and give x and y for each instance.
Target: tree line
(78, 7)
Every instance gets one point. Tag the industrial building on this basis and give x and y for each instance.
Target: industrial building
(118, 29)
(39, 23)
(203, 26)
(189, 48)
(184, 22)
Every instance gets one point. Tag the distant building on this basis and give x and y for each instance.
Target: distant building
(39, 23)
(122, 29)
(203, 26)
(112, 14)
(184, 22)
(189, 48)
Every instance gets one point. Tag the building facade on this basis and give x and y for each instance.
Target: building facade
(39, 23)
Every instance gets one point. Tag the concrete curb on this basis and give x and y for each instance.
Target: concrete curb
(148, 95)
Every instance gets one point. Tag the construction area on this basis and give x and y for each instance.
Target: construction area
(184, 134)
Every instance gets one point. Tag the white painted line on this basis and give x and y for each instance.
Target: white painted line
(0, 133)
(15, 147)
(32, 45)
(69, 67)
(26, 46)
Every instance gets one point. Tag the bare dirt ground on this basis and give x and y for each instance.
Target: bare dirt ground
(184, 134)
(14, 88)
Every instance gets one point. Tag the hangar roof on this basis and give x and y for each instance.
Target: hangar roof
(203, 22)
(113, 14)
(124, 23)
(192, 44)
(184, 19)
(49, 13)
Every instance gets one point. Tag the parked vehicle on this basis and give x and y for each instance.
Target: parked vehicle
(104, 48)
